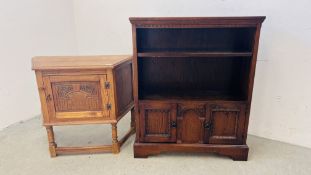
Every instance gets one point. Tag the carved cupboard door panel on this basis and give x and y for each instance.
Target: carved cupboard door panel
(227, 122)
(190, 123)
(77, 97)
(158, 122)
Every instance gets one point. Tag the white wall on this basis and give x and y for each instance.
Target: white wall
(29, 28)
(282, 96)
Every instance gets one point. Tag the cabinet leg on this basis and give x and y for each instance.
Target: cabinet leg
(133, 125)
(52, 144)
(115, 143)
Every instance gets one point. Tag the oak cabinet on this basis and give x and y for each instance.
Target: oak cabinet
(193, 82)
(78, 98)
(76, 90)
(214, 123)
(159, 122)
(191, 121)
(226, 123)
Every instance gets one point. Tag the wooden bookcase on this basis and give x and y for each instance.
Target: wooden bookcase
(193, 83)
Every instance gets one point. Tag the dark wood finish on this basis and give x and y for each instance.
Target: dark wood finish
(193, 78)
(226, 123)
(194, 54)
(236, 152)
(159, 122)
(200, 69)
(85, 90)
(191, 119)
(124, 87)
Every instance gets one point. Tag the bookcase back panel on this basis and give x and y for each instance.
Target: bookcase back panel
(195, 39)
(203, 78)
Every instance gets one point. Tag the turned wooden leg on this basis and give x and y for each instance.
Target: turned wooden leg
(133, 125)
(115, 143)
(52, 144)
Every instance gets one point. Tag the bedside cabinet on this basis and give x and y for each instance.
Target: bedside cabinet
(77, 90)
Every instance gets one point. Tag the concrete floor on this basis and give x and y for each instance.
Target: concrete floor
(24, 150)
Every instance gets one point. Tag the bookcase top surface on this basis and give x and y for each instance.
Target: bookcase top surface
(193, 21)
(78, 62)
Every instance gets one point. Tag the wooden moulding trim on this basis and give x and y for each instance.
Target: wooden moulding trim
(87, 149)
(194, 54)
(74, 72)
(80, 122)
(191, 101)
(78, 62)
(236, 152)
(196, 21)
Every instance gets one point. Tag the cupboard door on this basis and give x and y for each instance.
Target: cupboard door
(226, 123)
(190, 123)
(158, 122)
(82, 97)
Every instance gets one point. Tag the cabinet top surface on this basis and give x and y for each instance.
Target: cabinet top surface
(78, 62)
(243, 20)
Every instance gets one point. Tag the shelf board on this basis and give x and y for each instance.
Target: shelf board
(190, 96)
(194, 54)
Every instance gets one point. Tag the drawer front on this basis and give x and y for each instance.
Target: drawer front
(226, 123)
(157, 122)
(77, 97)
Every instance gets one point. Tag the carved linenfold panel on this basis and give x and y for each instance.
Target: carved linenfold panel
(157, 122)
(77, 96)
(225, 124)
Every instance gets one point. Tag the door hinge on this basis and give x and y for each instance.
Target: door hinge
(108, 105)
(107, 85)
(48, 98)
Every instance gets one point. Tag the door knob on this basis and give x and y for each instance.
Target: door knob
(173, 124)
(207, 125)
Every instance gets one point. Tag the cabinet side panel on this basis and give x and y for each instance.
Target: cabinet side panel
(251, 79)
(124, 87)
(42, 95)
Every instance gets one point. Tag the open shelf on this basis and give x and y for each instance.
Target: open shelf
(190, 95)
(194, 54)
(206, 40)
(215, 78)
(196, 63)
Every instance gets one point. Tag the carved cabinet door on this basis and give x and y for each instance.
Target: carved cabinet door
(226, 123)
(82, 97)
(158, 122)
(191, 120)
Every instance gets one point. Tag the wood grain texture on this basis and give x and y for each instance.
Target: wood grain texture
(195, 22)
(77, 96)
(227, 123)
(159, 119)
(82, 90)
(190, 126)
(77, 62)
(206, 67)
(51, 139)
(124, 87)
(236, 152)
